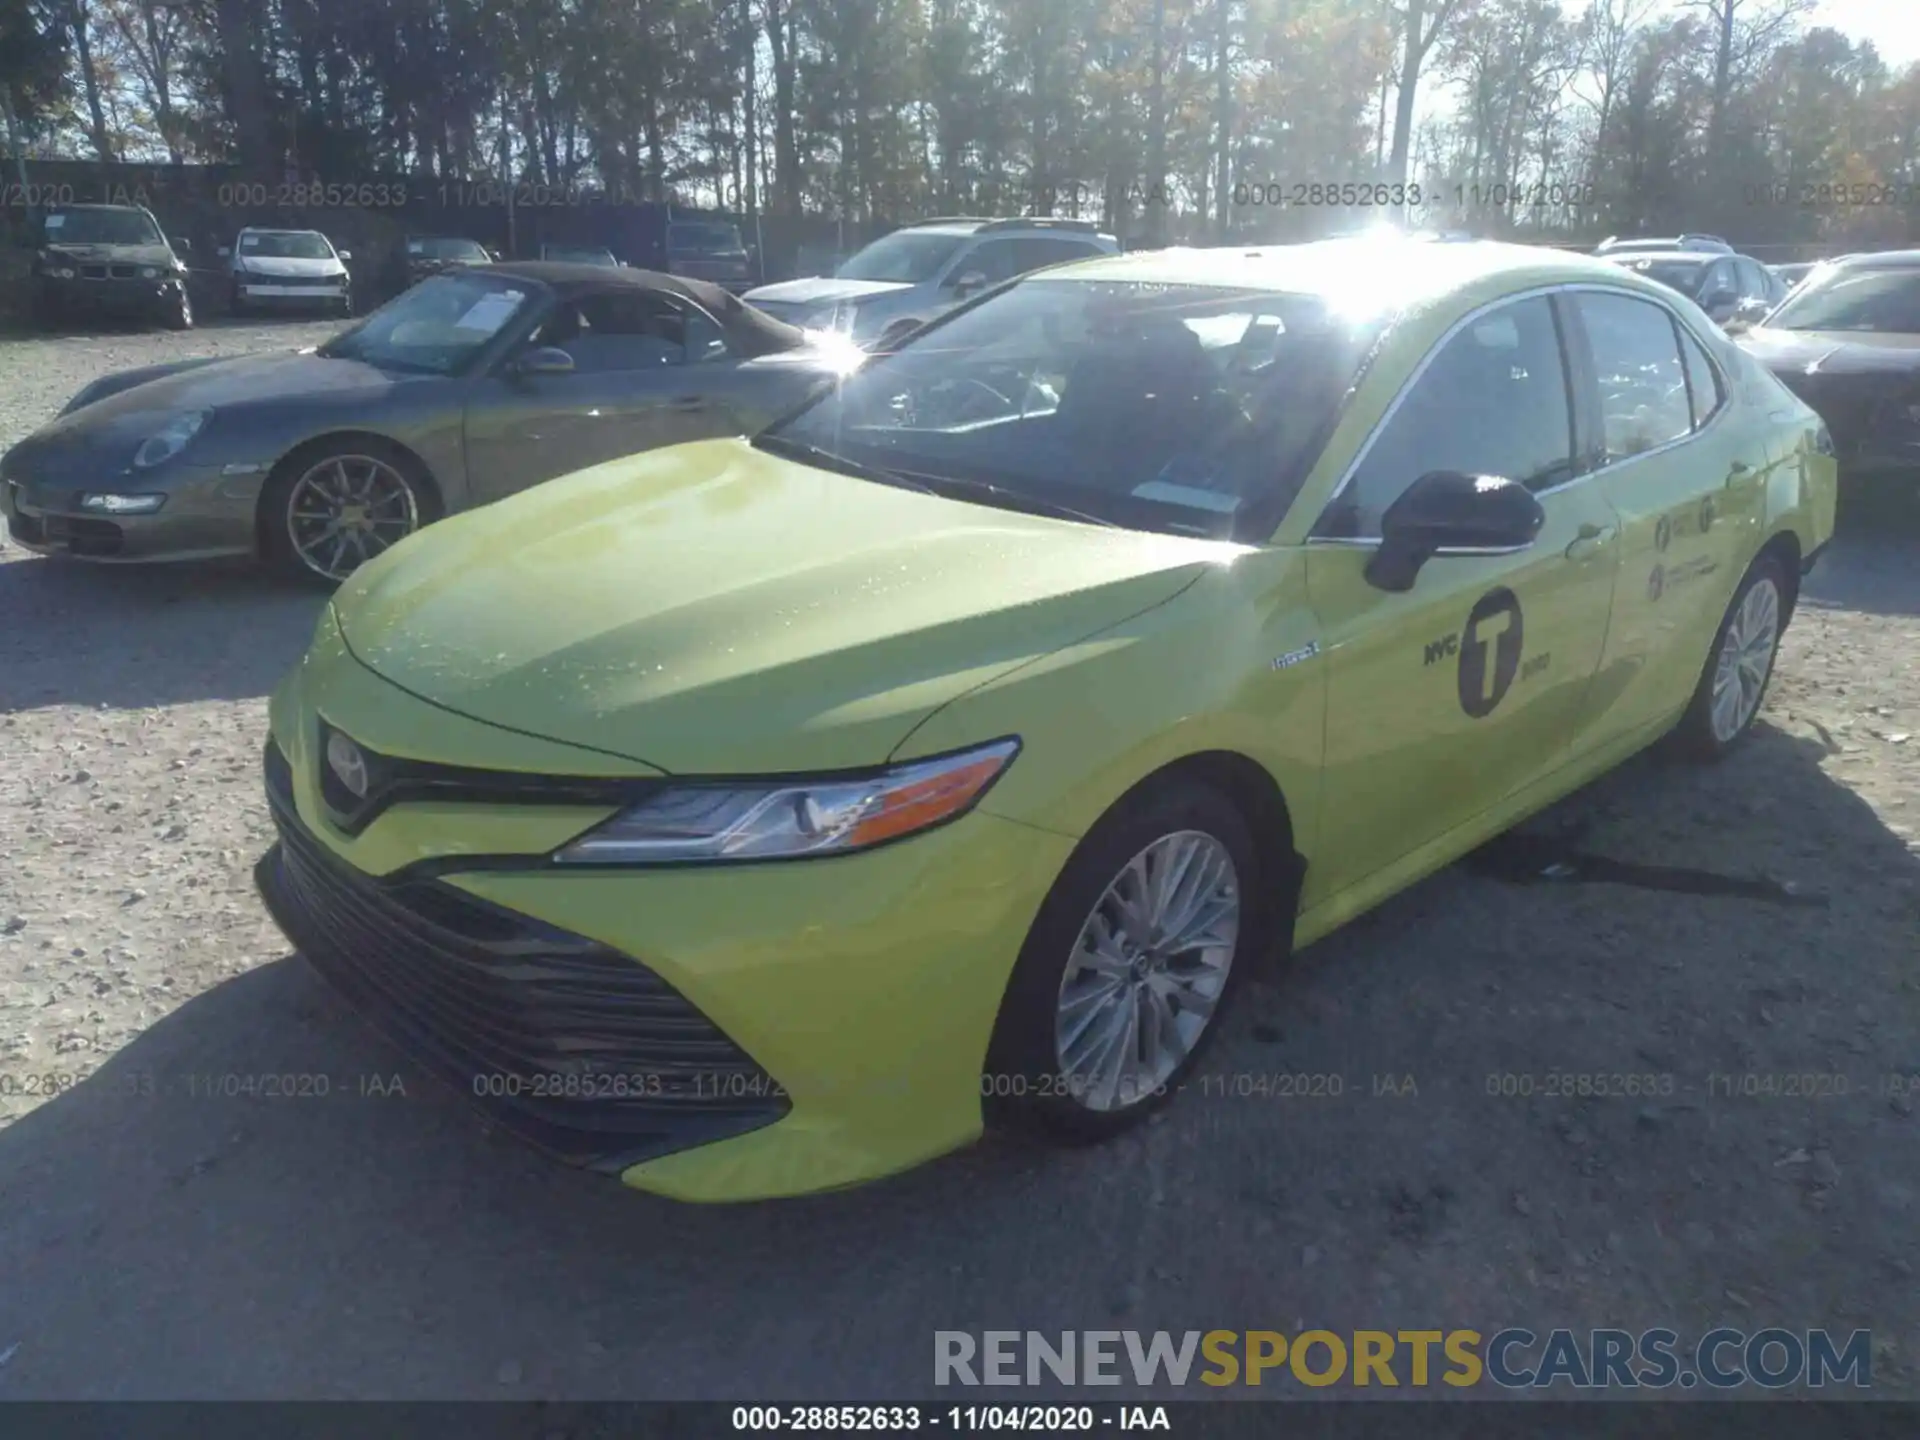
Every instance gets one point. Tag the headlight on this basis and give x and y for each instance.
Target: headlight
(835, 317)
(789, 819)
(147, 272)
(169, 442)
(63, 272)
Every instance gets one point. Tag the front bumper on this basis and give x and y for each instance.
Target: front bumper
(854, 997)
(208, 515)
(111, 296)
(269, 293)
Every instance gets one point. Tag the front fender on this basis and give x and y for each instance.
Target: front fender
(122, 380)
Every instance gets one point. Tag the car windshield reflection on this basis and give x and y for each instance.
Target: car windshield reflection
(437, 327)
(1186, 409)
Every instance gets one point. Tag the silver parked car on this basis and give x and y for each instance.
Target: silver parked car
(471, 385)
(903, 280)
(287, 270)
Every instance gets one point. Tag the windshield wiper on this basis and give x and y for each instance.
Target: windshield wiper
(830, 460)
(1010, 499)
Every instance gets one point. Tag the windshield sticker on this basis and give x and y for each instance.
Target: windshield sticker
(54, 222)
(249, 242)
(1188, 495)
(490, 312)
(415, 247)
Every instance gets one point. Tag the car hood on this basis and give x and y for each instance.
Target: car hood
(820, 289)
(1832, 352)
(713, 609)
(286, 265)
(221, 384)
(156, 255)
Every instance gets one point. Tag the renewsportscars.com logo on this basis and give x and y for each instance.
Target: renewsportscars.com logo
(1513, 1359)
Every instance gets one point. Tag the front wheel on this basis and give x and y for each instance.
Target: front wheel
(1727, 700)
(329, 511)
(179, 312)
(1128, 967)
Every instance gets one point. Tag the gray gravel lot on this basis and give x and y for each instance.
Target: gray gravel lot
(157, 1241)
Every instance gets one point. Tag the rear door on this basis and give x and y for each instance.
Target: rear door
(1444, 700)
(1682, 474)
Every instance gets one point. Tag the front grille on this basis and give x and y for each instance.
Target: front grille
(93, 272)
(305, 282)
(568, 1043)
(123, 272)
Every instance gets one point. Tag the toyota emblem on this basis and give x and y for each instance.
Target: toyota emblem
(348, 763)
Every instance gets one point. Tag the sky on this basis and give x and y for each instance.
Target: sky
(1892, 25)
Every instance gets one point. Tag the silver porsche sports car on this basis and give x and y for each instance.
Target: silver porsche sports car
(467, 387)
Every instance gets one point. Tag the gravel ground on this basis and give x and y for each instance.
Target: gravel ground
(157, 1240)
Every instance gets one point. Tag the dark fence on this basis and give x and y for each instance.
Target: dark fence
(371, 216)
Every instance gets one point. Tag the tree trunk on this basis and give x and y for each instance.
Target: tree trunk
(238, 31)
(1722, 81)
(750, 121)
(90, 81)
(786, 155)
(1223, 117)
(1410, 59)
(1156, 228)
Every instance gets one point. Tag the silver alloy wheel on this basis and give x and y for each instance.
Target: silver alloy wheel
(346, 510)
(1745, 660)
(1147, 970)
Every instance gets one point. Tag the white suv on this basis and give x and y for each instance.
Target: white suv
(287, 269)
(902, 280)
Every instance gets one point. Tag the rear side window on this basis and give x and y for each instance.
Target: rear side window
(1644, 400)
(1705, 389)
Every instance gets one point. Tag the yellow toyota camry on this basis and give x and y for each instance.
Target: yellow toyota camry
(759, 816)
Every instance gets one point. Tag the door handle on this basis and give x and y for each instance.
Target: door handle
(1591, 540)
(1737, 472)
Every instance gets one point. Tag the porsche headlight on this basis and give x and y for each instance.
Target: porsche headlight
(790, 819)
(169, 441)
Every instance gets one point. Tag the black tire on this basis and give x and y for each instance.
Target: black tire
(46, 311)
(1696, 737)
(344, 309)
(236, 303)
(276, 497)
(1024, 1087)
(179, 312)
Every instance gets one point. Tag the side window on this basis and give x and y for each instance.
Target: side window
(996, 259)
(617, 331)
(1046, 250)
(1754, 284)
(1719, 280)
(1492, 402)
(1636, 359)
(1704, 386)
(706, 341)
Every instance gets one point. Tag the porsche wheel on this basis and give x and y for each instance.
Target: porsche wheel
(1734, 683)
(1128, 967)
(329, 511)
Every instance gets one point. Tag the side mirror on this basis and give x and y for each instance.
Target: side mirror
(971, 283)
(345, 255)
(182, 245)
(1446, 512)
(546, 360)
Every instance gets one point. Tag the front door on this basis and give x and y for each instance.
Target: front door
(632, 388)
(1445, 699)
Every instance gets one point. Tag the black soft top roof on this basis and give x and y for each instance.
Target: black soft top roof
(749, 331)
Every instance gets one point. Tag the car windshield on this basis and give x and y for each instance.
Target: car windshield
(101, 227)
(437, 327)
(1881, 301)
(287, 245)
(447, 249)
(1682, 275)
(1187, 409)
(578, 255)
(704, 239)
(904, 257)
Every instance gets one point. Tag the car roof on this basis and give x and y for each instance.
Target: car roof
(1879, 260)
(1664, 257)
(749, 330)
(277, 230)
(91, 205)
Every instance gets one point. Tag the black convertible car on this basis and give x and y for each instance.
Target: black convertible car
(1847, 342)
